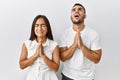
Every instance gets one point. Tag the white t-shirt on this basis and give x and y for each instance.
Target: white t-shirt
(78, 67)
(39, 70)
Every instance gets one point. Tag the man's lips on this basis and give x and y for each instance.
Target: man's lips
(76, 15)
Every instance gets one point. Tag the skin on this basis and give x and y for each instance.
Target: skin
(77, 16)
(40, 31)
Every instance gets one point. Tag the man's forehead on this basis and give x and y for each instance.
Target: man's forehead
(77, 6)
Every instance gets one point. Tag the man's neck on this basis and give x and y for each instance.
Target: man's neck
(78, 27)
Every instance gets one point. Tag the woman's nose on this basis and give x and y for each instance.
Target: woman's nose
(39, 26)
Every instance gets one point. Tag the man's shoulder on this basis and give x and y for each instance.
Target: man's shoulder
(91, 30)
(67, 30)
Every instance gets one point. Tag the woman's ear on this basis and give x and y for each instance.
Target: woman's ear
(85, 15)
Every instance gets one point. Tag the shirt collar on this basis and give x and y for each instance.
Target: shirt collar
(45, 44)
(80, 31)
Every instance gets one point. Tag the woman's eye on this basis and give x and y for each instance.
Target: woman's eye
(36, 25)
(43, 26)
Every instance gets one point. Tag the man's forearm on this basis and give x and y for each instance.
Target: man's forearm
(90, 54)
(68, 53)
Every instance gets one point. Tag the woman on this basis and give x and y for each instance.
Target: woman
(40, 53)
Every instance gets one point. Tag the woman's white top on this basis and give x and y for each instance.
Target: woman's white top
(39, 69)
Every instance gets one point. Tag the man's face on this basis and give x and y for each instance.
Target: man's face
(77, 14)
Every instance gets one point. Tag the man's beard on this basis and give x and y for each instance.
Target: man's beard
(77, 22)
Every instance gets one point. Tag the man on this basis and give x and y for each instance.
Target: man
(80, 48)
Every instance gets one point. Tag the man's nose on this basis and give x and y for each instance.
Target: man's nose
(76, 10)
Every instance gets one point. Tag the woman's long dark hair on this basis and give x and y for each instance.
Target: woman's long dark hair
(49, 33)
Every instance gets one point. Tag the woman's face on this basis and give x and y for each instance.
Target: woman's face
(40, 28)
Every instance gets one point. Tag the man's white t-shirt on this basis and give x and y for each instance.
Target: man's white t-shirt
(78, 67)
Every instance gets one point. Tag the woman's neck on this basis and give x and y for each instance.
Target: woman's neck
(41, 39)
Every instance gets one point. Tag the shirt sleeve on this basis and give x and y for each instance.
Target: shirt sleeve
(26, 42)
(54, 44)
(96, 43)
(63, 40)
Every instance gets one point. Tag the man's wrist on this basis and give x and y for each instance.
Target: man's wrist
(43, 56)
(81, 47)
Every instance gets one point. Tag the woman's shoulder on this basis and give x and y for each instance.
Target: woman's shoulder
(52, 44)
(52, 41)
(29, 43)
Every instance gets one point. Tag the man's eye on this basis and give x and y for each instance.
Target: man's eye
(73, 9)
(80, 9)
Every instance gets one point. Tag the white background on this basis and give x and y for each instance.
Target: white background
(16, 17)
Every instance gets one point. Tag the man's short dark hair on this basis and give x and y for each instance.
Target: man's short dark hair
(78, 4)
